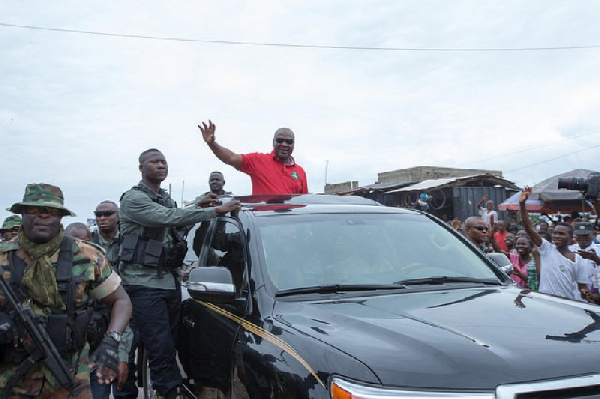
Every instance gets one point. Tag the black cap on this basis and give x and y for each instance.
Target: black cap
(583, 228)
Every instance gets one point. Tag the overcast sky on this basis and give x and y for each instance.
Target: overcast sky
(76, 109)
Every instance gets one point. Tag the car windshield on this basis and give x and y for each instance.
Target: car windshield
(363, 249)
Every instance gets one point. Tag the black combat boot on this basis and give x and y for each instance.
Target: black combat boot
(172, 394)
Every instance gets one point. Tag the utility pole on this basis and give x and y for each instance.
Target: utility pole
(182, 190)
(326, 167)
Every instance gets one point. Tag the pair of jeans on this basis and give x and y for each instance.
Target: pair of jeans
(102, 391)
(156, 313)
(99, 391)
(130, 388)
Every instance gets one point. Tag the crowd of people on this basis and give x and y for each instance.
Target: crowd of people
(560, 259)
(98, 294)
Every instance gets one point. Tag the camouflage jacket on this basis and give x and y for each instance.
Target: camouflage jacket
(99, 281)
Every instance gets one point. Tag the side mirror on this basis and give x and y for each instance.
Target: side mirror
(501, 262)
(211, 284)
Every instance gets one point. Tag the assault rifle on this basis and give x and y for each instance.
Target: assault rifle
(37, 344)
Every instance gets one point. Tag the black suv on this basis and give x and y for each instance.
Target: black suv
(339, 297)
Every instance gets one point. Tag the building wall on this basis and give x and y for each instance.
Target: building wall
(465, 200)
(420, 173)
(340, 187)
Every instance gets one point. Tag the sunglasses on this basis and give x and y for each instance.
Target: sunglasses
(279, 140)
(103, 213)
(480, 228)
(41, 210)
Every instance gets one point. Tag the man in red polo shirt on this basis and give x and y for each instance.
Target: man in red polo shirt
(272, 173)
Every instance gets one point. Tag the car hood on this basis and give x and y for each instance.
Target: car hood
(468, 338)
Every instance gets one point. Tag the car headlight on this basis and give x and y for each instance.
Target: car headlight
(343, 389)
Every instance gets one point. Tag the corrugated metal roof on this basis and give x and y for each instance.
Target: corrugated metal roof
(432, 183)
(369, 188)
(384, 186)
(449, 181)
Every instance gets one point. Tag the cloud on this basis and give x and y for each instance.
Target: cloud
(77, 109)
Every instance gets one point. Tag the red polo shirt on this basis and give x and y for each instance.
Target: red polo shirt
(271, 176)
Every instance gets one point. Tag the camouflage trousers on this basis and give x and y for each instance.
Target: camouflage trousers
(41, 389)
(40, 383)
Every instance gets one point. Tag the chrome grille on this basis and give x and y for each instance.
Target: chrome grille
(581, 387)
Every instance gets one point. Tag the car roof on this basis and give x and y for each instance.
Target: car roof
(264, 205)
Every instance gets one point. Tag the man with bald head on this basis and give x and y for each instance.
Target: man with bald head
(107, 236)
(487, 212)
(476, 232)
(216, 183)
(271, 173)
(150, 262)
(79, 230)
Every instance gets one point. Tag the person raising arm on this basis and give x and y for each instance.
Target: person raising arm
(562, 272)
(527, 225)
(271, 173)
(225, 155)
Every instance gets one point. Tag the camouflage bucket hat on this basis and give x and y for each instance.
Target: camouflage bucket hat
(11, 222)
(42, 194)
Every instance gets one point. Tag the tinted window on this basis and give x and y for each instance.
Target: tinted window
(308, 250)
(225, 248)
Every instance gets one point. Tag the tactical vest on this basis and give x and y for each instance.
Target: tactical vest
(148, 249)
(112, 253)
(67, 328)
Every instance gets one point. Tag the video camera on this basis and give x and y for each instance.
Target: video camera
(590, 187)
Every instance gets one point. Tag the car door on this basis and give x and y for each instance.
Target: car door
(208, 330)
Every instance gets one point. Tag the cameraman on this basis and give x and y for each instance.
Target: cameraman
(150, 264)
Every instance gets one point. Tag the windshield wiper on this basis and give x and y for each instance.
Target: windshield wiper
(333, 288)
(446, 279)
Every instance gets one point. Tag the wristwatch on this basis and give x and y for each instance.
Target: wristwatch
(114, 335)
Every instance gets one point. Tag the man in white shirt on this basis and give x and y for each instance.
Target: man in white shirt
(590, 252)
(562, 271)
(487, 213)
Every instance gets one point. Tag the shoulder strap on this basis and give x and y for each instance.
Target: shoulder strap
(64, 267)
(64, 273)
(166, 201)
(95, 237)
(138, 188)
(156, 233)
(17, 266)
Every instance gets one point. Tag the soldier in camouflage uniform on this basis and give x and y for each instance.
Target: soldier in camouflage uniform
(10, 228)
(30, 266)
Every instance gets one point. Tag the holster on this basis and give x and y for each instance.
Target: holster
(69, 333)
(14, 355)
(98, 324)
